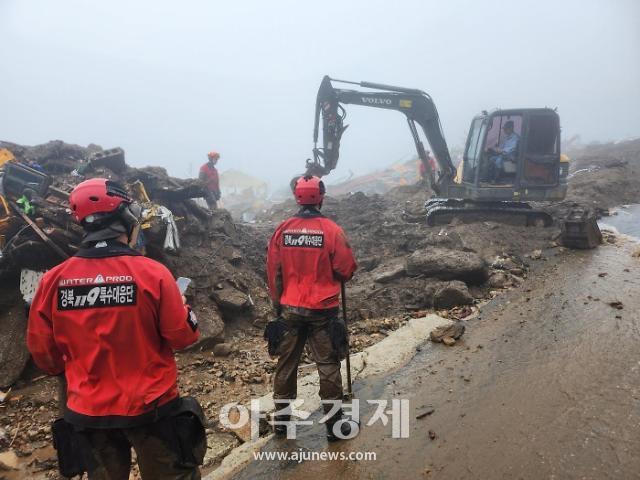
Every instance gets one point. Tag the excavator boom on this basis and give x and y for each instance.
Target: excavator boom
(416, 105)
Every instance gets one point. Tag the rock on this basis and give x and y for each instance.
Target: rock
(222, 350)
(504, 263)
(448, 341)
(13, 348)
(498, 280)
(388, 273)
(113, 159)
(243, 432)
(453, 331)
(211, 327)
(368, 263)
(536, 255)
(616, 304)
(235, 258)
(452, 294)
(432, 435)
(231, 299)
(425, 412)
(447, 264)
(518, 272)
(8, 461)
(4, 395)
(218, 446)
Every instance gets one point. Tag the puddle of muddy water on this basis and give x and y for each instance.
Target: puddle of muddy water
(624, 220)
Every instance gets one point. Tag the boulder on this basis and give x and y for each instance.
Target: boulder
(448, 264)
(222, 350)
(218, 446)
(211, 327)
(388, 273)
(448, 334)
(498, 280)
(231, 299)
(13, 347)
(452, 294)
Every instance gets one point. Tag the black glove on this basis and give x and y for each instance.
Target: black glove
(273, 333)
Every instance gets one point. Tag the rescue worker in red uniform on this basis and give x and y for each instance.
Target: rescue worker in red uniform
(109, 319)
(423, 168)
(209, 175)
(307, 259)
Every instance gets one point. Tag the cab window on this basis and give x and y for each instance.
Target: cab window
(496, 135)
(473, 152)
(542, 151)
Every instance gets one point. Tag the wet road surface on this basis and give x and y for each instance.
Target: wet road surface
(545, 384)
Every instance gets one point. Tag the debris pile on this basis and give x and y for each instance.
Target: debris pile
(224, 260)
(606, 175)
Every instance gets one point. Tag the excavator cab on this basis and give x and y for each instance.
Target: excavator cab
(514, 155)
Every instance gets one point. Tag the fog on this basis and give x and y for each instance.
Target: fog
(169, 81)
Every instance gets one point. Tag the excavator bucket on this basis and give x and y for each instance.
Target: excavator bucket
(580, 229)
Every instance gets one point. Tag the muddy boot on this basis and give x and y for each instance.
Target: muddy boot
(345, 427)
(282, 419)
(280, 427)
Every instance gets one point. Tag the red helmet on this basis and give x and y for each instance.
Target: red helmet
(213, 155)
(309, 191)
(98, 200)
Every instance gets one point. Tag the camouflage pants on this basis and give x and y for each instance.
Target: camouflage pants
(301, 329)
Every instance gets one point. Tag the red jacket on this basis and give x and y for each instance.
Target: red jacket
(307, 258)
(210, 176)
(110, 319)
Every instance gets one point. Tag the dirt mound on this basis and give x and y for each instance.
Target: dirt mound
(606, 175)
(388, 233)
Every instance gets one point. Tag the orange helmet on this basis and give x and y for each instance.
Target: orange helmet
(309, 190)
(213, 155)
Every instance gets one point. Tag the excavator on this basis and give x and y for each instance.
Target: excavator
(535, 170)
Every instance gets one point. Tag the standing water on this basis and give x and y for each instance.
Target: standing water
(625, 219)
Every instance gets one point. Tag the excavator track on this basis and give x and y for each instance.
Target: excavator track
(441, 211)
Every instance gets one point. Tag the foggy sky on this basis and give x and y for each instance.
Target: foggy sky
(169, 81)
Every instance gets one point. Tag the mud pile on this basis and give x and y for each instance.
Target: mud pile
(406, 266)
(605, 175)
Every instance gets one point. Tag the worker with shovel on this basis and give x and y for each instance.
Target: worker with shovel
(307, 260)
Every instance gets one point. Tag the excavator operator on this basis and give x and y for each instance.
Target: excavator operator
(507, 151)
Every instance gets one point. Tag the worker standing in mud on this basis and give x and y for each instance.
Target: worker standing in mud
(209, 175)
(109, 319)
(307, 259)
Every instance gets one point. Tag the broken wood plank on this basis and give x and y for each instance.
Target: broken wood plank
(58, 192)
(39, 232)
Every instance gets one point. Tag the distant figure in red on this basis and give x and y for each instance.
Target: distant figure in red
(209, 175)
(423, 167)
